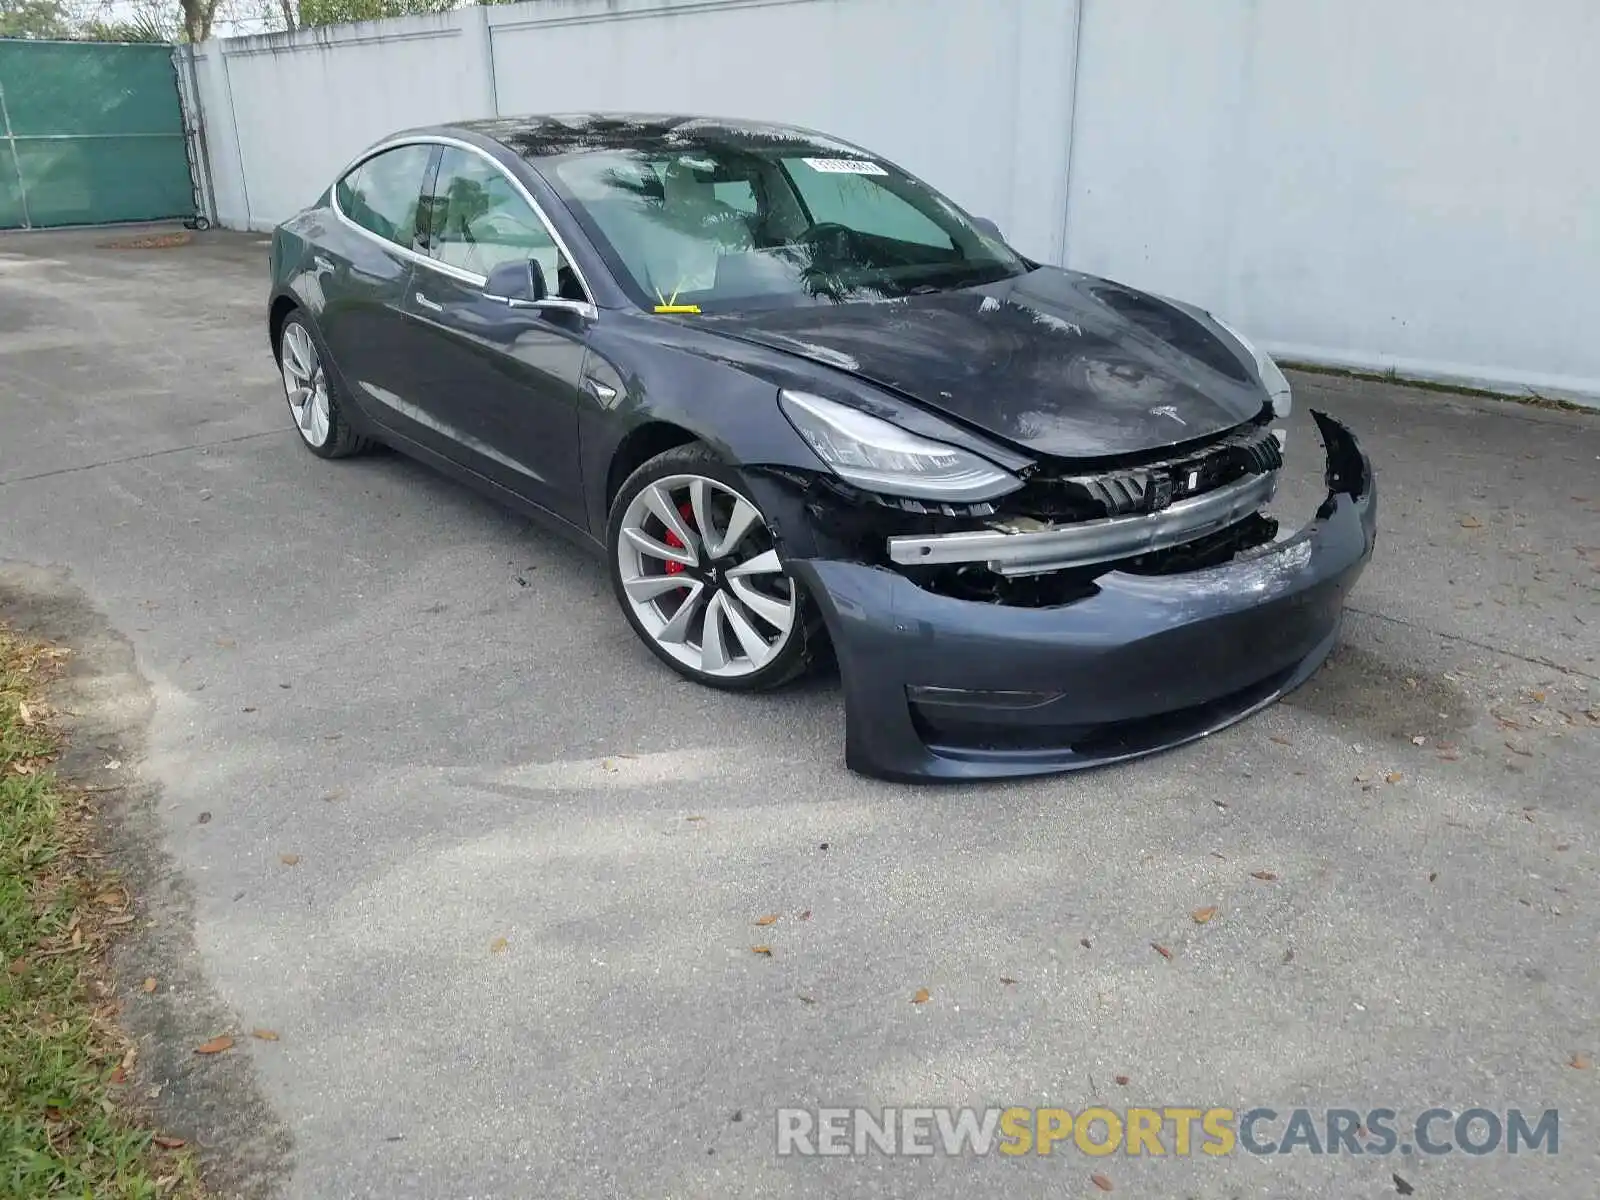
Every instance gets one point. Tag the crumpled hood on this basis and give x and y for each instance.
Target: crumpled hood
(1053, 362)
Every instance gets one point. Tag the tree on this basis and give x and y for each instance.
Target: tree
(197, 18)
(142, 28)
(34, 19)
(335, 12)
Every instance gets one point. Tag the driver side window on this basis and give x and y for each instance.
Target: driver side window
(479, 220)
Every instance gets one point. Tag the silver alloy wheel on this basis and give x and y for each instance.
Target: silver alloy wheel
(306, 384)
(703, 578)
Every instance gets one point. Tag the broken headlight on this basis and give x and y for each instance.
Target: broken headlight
(881, 457)
(1271, 377)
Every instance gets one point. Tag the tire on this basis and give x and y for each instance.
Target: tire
(319, 417)
(739, 585)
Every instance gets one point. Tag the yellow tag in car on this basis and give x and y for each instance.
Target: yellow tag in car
(677, 308)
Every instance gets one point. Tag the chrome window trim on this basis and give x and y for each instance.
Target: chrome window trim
(1089, 542)
(584, 307)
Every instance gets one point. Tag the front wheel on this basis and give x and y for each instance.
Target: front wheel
(697, 573)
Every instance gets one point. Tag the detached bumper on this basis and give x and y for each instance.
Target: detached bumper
(941, 688)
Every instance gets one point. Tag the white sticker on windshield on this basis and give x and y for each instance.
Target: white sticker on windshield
(844, 166)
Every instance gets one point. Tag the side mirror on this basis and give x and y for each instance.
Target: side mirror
(984, 225)
(518, 284)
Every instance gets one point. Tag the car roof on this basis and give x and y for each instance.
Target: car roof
(552, 135)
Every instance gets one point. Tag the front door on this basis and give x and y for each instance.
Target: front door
(503, 381)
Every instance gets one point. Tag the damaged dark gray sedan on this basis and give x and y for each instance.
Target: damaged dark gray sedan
(799, 400)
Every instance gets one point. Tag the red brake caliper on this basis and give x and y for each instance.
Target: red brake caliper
(673, 540)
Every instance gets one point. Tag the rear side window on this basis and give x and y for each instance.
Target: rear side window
(381, 194)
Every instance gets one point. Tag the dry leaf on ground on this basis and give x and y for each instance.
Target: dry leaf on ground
(769, 919)
(1161, 950)
(1201, 915)
(264, 1035)
(765, 950)
(1265, 876)
(498, 946)
(1101, 1182)
(150, 984)
(289, 860)
(216, 1045)
(921, 997)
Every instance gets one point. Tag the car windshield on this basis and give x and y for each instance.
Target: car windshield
(719, 228)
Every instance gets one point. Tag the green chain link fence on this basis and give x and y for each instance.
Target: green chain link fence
(93, 133)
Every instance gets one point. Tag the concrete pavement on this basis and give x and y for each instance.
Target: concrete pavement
(511, 954)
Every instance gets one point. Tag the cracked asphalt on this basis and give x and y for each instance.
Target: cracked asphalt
(491, 872)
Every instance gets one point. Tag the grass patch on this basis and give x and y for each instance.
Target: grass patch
(66, 1127)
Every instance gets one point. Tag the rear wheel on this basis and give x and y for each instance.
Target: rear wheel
(314, 400)
(698, 576)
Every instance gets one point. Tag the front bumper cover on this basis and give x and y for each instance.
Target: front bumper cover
(944, 688)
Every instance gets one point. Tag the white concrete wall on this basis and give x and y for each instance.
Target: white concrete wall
(1373, 183)
(285, 112)
(1407, 183)
(970, 94)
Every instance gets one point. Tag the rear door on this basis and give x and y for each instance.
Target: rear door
(503, 381)
(364, 274)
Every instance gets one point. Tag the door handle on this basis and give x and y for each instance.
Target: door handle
(323, 263)
(424, 302)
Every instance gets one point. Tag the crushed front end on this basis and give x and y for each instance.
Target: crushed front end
(1101, 612)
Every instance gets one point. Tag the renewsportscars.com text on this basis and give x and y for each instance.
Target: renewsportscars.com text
(1178, 1131)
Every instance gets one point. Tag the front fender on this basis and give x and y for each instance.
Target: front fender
(719, 401)
(724, 391)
